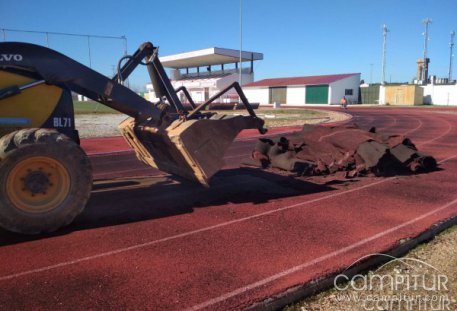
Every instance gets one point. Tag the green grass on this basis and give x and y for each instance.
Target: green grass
(278, 112)
(91, 107)
(302, 112)
(282, 117)
(272, 117)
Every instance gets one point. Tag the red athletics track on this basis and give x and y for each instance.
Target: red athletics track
(152, 243)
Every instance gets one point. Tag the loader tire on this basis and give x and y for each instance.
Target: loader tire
(45, 181)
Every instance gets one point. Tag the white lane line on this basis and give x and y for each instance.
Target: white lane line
(342, 131)
(238, 156)
(294, 269)
(297, 268)
(450, 127)
(101, 154)
(189, 233)
(241, 139)
(447, 159)
(416, 128)
(289, 130)
(115, 173)
(185, 234)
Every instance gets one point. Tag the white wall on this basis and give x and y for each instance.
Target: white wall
(196, 87)
(440, 94)
(257, 95)
(295, 95)
(336, 89)
(223, 82)
(382, 95)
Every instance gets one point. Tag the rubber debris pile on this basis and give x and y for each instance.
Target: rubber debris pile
(320, 150)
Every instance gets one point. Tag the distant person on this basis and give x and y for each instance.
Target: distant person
(344, 102)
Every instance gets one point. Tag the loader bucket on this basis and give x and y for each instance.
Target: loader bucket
(192, 149)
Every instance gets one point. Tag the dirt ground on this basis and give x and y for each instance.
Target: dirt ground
(98, 125)
(105, 124)
(437, 266)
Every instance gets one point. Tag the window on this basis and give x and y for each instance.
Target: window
(348, 92)
(278, 94)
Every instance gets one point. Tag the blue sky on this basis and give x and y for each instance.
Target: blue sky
(297, 37)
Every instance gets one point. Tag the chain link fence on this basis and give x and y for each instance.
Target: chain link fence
(101, 53)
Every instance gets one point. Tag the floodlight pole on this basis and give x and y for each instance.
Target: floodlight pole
(127, 82)
(424, 77)
(90, 56)
(241, 42)
(4, 34)
(384, 51)
(125, 44)
(451, 55)
(371, 73)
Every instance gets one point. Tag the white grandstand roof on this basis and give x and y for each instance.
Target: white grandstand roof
(207, 57)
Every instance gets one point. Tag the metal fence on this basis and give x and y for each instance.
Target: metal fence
(98, 52)
(370, 94)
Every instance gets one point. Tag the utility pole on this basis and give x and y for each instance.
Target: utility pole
(451, 55)
(385, 30)
(90, 54)
(424, 77)
(124, 38)
(371, 73)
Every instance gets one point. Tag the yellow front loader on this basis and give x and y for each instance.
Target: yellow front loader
(45, 177)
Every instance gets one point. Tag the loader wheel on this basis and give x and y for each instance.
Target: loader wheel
(45, 181)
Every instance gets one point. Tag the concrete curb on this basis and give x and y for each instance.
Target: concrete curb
(349, 118)
(297, 293)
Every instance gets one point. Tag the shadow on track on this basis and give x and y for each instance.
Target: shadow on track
(125, 201)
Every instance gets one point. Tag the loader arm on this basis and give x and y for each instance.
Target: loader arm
(57, 69)
(147, 55)
(164, 135)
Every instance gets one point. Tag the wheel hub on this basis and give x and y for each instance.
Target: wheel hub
(36, 182)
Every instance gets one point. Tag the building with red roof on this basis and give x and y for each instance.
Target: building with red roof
(298, 91)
